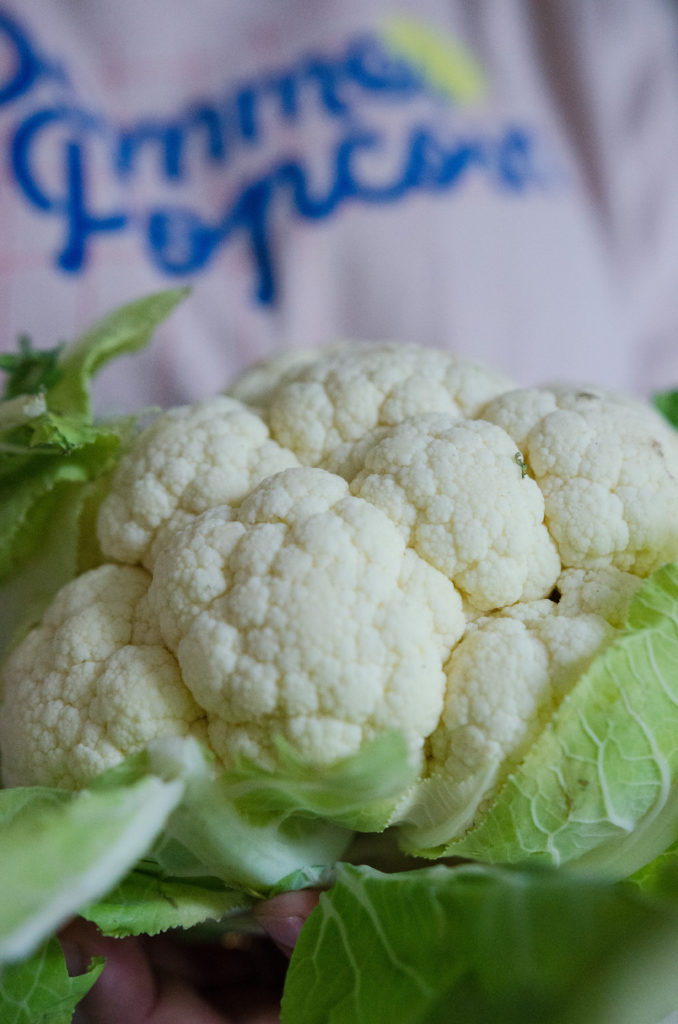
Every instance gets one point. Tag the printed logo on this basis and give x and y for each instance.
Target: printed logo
(364, 156)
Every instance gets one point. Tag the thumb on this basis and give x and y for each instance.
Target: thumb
(283, 916)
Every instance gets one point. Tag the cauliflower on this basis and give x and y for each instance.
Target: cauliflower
(608, 469)
(306, 617)
(258, 382)
(507, 677)
(431, 475)
(91, 683)
(386, 538)
(338, 398)
(190, 459)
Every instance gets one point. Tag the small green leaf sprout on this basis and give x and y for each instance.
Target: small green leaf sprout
(520, 461)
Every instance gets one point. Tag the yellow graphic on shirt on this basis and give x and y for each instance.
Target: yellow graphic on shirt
(445, 62)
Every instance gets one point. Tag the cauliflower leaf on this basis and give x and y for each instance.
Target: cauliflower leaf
(61, 852)
(597, 786)
(478, 943)
(53, 455)
(40, 989)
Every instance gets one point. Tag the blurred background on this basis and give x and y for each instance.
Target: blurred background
(496, 177)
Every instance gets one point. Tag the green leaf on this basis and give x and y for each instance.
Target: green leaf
(64, 433)
(474, 944)
(600, 785)
(319, 876)
(660, 877)
(62, 543)
(29, 799)
(30, 488)
(359, 792)
(210, 834)
(40, 991)
(147, 902)
(29, 371)
(125, 330)
(667, 404)
(254, 827)
(54, 458)
(59, 853)
(17, 412)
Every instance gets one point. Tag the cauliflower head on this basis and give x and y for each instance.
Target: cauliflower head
(374, 538)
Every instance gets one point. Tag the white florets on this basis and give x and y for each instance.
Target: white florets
(190, 459)
(91, 684)
(315, 623)
(387, 538)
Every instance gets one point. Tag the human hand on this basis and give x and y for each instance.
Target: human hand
(162, 980)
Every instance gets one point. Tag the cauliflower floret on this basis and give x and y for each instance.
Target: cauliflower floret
(188, 460)
(457, 491)
(339, 397)
(256, 384)
(517, 411)
(607, 592)
(608, 469)
(504, 682)
(306, 617)
(93, 683)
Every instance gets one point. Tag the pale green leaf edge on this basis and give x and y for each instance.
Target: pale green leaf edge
(599, 785)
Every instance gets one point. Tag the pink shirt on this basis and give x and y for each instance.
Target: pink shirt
(498, 177)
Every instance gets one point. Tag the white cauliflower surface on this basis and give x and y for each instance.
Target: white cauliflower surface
(190, 459)
(388, 538)
(93, 682)
(431, 474)
(338, 398)
(306, 617)
(607, 466)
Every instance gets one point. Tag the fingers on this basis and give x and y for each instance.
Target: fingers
(126, 981)
(284, 916)
(160, 981)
